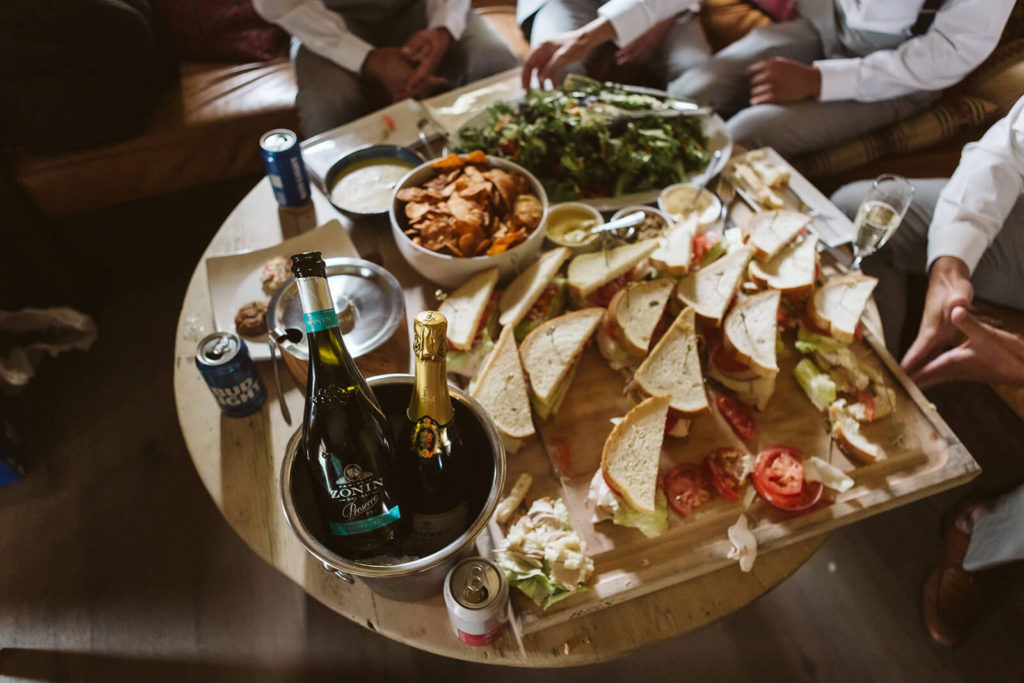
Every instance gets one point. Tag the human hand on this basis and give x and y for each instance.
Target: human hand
(390, 69)
(551, 55)
(426, 49)
(949, 286)
(641, 50)
(988, 355)
(782, 80)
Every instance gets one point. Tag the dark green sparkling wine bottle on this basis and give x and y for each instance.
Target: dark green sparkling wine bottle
(348, 448)
(435, 456)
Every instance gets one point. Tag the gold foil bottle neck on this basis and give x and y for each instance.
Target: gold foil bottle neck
(430, 330)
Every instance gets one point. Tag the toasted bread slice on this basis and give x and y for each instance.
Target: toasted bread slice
(752, 389)
(551, 351)
(792, 270)
(846, 432)
(710, 289)
(673, 368)
(635, 310)
(839, 303)
(631, 453)
(587, 272)
(750, 331)
(520, 296)
(464, 308)
(770, 231)
(501, 389)
(675, 253)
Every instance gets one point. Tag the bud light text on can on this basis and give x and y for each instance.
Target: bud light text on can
(224, 362)
(282, 157)
(476, 595)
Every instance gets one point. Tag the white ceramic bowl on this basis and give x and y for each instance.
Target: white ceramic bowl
(675, 200)
(650, 211)
(451, 271)
(588, 243)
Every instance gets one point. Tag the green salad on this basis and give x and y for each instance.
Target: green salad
(577, 149)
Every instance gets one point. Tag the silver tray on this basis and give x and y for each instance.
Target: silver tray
(367, 298)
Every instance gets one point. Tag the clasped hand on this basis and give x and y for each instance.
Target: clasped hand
(987, 354)
(782, 80)
(411, 70)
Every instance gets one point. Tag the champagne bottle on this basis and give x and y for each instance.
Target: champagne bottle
(348, 447)
(435, 458)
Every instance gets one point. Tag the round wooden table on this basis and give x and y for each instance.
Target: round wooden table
(239, 461)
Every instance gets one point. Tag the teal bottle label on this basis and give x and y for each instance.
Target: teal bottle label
(365, 525)
(320, 320)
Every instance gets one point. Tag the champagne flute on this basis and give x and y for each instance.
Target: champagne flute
(880, 213)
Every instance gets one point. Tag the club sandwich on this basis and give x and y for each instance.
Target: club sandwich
(501, 389)
(472, 322)
(550, 355)
(631, 320)
(744, 362)
(711, 289)
(594, 278)
(536, 295)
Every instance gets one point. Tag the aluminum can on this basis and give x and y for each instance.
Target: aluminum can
(476, 595)
(224, 362)
(282, 157)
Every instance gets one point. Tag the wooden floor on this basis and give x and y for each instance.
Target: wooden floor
(116, 566)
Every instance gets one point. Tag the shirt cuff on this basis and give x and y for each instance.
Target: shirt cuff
(960, 239)
(629, 18)
(838, 78)
(455, 22)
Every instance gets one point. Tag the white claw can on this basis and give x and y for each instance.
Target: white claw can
(476, 595)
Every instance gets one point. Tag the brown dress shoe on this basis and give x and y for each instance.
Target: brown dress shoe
(952, 597)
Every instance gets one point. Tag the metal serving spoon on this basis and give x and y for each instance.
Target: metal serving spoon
(273, 339)
(627, 222)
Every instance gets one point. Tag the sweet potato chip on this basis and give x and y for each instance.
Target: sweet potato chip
(467, 210)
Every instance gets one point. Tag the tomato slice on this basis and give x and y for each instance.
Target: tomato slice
(868, 401)
(808, 497)
(561, 453)
(726, 361)
(738, 415)
(687, 487)
(603, 295)
(779, 479)
(725, 469)
(780, 470)
(699, 249)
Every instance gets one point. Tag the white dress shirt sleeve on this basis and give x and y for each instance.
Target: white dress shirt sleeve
(963, 34)
(320, 30)
(449, 14)
(973, 207)
(631, 18)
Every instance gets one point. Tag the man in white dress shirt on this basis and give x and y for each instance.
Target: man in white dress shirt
(665, 35)
(967, 233)
(844, 68)
(354, 56)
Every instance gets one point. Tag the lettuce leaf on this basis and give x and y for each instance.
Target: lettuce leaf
(533, 581)
(468, 362)
(819, 387)
(651, 524)
(809, 342)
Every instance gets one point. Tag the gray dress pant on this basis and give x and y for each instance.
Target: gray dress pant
(683, 47)
(329, 95)
(798, 127)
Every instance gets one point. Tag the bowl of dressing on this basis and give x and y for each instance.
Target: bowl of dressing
(685, 203)
(569, 224)
(360, 183)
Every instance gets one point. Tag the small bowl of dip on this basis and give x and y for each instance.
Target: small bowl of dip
(654, 225)
(360, 183)
(569, 224)
(677, 202)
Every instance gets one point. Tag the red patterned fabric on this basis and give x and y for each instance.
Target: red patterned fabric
(219, 30)
(779, 10)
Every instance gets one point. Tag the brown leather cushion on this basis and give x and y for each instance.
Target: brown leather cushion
(206, 130)
(219, 30)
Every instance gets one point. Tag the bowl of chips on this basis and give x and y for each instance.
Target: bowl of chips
(462, 214)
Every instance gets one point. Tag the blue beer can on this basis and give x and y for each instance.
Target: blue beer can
(287, 172)
(224, 362)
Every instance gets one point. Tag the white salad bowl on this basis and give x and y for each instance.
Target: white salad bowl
(451, 271)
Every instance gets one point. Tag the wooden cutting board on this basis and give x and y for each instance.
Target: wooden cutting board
(923, 457)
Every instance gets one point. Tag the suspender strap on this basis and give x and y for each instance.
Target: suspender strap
(926, 17)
